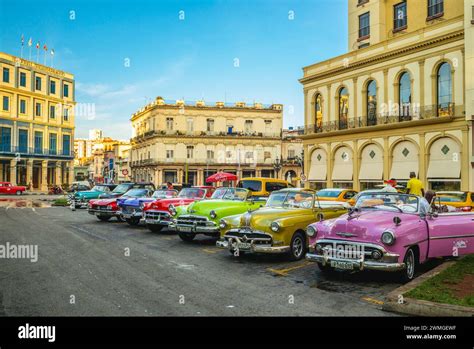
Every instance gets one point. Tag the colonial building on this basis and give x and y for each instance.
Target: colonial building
(401, 99)
(185, 142)
(36, 124)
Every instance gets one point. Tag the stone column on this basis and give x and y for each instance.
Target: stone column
(355, 166)
(44, 176)
(464, 158)
(13, 165)
(422, 158)
(70, 173)
(59, 174)
(29, 172)
(201, 177)
(329, 166)
(1, 172)
(386, 160)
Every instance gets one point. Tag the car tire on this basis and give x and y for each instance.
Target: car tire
(187, 237)
(298, 246)
(411, 265)
(154, 228)
(326, 269)
(133, 221)
(18, 192)
(104, 218)
(120, 219)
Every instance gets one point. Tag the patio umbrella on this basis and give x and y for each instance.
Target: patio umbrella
(221, 177)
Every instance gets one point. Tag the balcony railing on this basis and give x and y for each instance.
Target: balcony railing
(405, 115)
(7, 149)
(200, 161)
(168, 133)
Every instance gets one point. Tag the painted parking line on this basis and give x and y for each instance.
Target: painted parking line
(372, 300)
(284, 272)
(210, 251)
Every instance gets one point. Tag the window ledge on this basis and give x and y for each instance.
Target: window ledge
(436, 16)
(362, 38)
(362, 3)
(400, 29)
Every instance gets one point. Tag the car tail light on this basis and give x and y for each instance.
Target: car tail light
(466, 209)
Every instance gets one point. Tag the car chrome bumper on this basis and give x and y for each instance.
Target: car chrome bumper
(357, 264)
(196, 229)
(167, 221)
(131, 215)
(96, 212)
(253, 248)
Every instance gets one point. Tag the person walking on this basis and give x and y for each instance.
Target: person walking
(415, 186)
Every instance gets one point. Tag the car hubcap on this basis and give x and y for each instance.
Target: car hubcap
(297, 247)
(410, 264)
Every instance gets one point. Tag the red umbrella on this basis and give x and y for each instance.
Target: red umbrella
(221, 177)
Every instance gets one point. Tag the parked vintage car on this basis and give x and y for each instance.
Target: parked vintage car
(125, 187)
(202, 217)
(81, 198)
(280, 226)
(8, 189)
(105, 209)
(263, 186)
(389, 232)
(461, 200)
(157, 215)
(336, 194)
(131, 209)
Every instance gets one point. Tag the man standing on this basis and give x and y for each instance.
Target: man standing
(390, 186)
(415, 186)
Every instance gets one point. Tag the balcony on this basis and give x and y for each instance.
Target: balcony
(192, 134)
(405, 117)
(14, 151)
(200, 162)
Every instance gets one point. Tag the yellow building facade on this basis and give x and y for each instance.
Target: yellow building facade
(36, 124)
(400, 100)
(186, 142)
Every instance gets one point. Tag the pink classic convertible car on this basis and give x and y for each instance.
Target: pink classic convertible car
(390, 232)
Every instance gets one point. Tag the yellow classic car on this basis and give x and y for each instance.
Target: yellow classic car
(279, 226)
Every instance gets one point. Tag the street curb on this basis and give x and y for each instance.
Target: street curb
(416, 307)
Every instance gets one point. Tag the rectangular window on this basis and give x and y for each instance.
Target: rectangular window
(267, 155)
(53, 139)
(435, 8)
(291, 154)
(66, 145)
(189, 152)
(66, 90)
(400, 16)
(169, 124)
(52, 112)
(248, 126)
(169, 154)
(23, 141)
(22, 106)
(6, 75)
(5, 139)
(6, 103)
(38, 142)
(66, 114)
(190, 125)
(210, 154)
(52, 87)
(364, 25)
(38, 109)
(22, 79)
(210, 125)
(37, 83)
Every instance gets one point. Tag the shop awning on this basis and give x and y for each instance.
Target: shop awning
(318, 166)
(402, 169)
(342, 171)
(372, 171)
(444, 168)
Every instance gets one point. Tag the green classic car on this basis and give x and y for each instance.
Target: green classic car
(280, 226)
(202, 217)
(81, 198)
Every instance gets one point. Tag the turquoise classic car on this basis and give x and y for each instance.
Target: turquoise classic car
(81, 198)
(202, 217)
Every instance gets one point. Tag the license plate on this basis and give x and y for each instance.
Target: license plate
(244, 246)
(151, 221)
(342, 265)
(185, 229)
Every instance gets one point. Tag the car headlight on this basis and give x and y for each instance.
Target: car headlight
(311, 231)
(172, 210)
(275, 226)
(222, 224)
(388, 237)
(213, 214)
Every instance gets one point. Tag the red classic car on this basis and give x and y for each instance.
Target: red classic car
(8, 188)
(157, 214)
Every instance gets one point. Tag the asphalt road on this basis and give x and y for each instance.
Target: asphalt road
(83, 269)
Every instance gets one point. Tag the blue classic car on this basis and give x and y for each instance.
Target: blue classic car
(131, 209)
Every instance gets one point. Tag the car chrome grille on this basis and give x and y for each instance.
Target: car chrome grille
(157, 215)
(252, 236)
(333, 246)
(194, 220)
(130, 209)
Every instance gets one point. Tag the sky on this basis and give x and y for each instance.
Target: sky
(124, 54)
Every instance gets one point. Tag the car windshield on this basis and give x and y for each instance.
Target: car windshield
(135, 193)
(389, 202)
(451, 197)
(291, 199)
(101, 188)
(192, 193)
(230, 194)
(328, 193)
(122, 188)
(251, 185)
(165, 194)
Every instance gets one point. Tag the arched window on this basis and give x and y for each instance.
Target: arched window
(371, 103)
(445, 92)
(405, 97)
(343, 108)
(318, 109)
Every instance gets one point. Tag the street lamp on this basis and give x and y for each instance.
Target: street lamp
(277, 165)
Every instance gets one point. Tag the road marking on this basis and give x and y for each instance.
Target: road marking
(210, 251)
(284, 272)
(372, 300)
